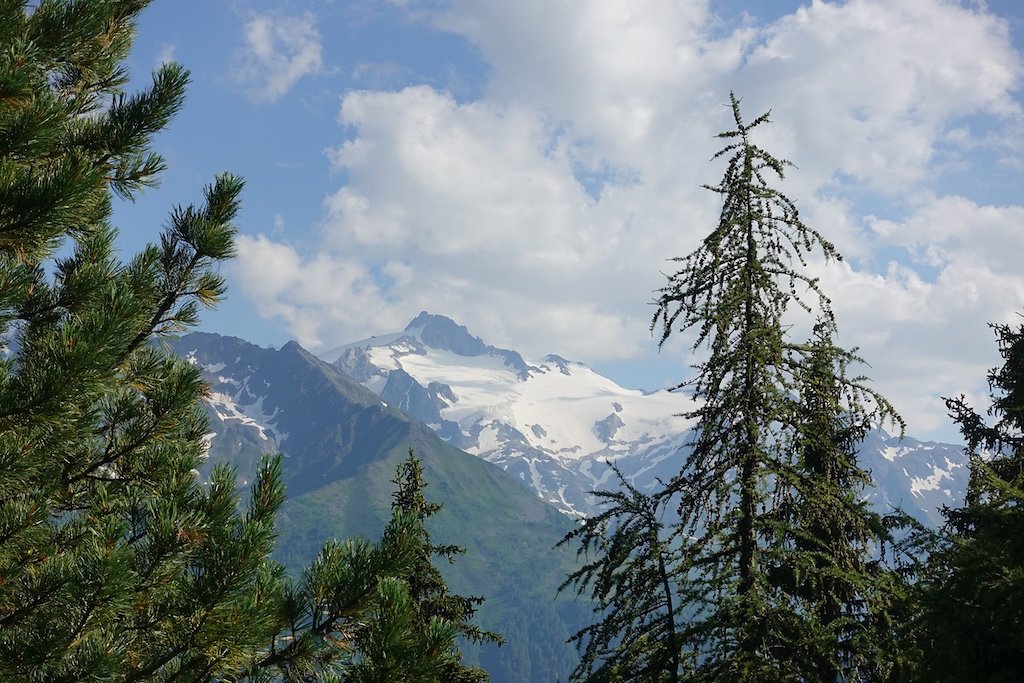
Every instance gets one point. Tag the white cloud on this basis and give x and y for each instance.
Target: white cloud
(308, 293)
(926, 335)
(451, 203)
(868, 88)
(475, 174)
(540, 214)
(948, 230)
(279, 50)
(863, 88)
(165, 55)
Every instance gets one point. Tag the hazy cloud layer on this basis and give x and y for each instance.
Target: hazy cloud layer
(279, 50)
(541, 214)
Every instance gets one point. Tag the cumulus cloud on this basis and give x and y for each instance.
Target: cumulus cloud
(476, 175)
(624, 75)
(467, 209)
(868, 88)
(923, 323)
(278, 51)
(309, 292)
(541, 213)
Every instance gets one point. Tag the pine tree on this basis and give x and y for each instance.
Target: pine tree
(377, 613)
(116, 562)
(350, 618)
(753, 442)
(972, 590)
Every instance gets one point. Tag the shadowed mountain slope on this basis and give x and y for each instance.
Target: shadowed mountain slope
(342, 445)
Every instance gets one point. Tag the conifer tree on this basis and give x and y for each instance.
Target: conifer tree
(427, 588)
(630, 573)
(831, 546)
(377, 613)
(116, 563)
(774, 562)
(350, 618)
(769, 589)
(972, 590)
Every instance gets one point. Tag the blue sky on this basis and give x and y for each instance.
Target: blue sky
(527, 167)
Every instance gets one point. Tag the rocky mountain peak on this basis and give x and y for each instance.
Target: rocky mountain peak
(440, 332)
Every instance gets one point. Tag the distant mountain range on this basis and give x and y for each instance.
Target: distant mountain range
(553, 423)
(342, 445)
(509, 444)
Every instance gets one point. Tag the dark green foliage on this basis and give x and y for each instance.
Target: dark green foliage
(631, 580)
(734, 290)
(394, 648)
(351, 618)
(776, 588)
(773, 560)
(832, 546)
(376, 612)
(116, 564)
(426, 586)
(972, 591)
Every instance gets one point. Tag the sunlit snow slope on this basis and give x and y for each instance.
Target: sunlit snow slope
(551, 422)
(554, 423)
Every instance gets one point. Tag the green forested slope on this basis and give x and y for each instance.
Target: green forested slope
(342, 449)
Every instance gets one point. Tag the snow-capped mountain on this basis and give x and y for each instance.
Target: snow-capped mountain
(550, 422)
(341, 446)
(553, 423)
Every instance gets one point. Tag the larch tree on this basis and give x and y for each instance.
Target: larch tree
(772, 588)
(629, 572)
(972, 589)
(763, 583)
(837, 559)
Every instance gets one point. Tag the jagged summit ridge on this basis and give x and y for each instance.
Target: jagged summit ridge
(553, 423)
(547, 421)
(440, 332)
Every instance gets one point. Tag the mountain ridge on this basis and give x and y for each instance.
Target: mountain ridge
(341, 445)
(555, 425)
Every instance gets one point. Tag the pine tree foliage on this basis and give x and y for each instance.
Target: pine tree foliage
(629, 571)
(116, 562)
(973, 587)
(774, 562)
(734, 290)
(375, 612)
(349, 610)
(396, 648)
